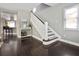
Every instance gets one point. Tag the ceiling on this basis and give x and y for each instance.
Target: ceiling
(15, 6)
(25, 6)
(51, 4)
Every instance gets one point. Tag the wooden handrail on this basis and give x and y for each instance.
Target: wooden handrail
(38, 17)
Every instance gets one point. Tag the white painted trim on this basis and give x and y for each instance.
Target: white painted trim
(19, 36)
(62, 40)
(25, 36)
(47, 43)
(46, 31)
(40, 39)
(69, 42)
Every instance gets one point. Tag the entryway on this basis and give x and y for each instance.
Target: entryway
(8, 24)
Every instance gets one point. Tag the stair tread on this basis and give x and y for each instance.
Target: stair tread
(51, 34)
(53, 38)
(50, 39)
(49, 31)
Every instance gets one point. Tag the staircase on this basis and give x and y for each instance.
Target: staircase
(51, 35)
(47, 33)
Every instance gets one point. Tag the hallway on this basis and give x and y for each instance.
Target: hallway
(9, 47)
(32, 47)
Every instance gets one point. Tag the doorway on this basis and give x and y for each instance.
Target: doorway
(8, 25)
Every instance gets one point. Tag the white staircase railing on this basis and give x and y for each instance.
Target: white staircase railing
(43, 28)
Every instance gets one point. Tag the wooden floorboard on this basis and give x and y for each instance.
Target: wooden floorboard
(30, 46)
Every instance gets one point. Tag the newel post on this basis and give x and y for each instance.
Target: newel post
(46, 30)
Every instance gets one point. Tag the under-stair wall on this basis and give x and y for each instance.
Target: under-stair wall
(38, 26)
(35, 33)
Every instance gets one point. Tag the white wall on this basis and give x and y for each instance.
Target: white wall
(55, 17)
(23, 15)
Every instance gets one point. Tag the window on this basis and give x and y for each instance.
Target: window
(9, 19)
(71, 16)
(11, 24)
(15, 17)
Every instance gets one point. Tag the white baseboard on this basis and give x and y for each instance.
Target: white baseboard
(19, 36)
(69, 42)
(47, 43)
(62, 40)
(25, 36)
(40, 39)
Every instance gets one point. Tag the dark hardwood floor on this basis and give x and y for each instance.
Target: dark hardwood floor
(31, 47)
(63, 49)
(9, 48)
